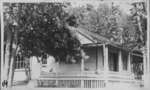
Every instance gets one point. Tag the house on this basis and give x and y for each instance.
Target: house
(109, 65)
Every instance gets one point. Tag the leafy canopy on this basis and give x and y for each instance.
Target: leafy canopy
(41, 29)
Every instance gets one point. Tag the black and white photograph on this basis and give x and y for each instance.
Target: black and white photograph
(75, 44)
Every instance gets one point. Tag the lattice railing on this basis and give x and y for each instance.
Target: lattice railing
(70, 83)
(94, 83)
(86, 80)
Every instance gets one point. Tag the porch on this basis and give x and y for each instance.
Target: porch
(101, 73)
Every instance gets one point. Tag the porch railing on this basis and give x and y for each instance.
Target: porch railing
(71, 83)
(57, 80)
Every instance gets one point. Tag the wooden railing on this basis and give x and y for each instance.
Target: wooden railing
(63, 83)
(94, 83)
(71, 83)
(84, 80)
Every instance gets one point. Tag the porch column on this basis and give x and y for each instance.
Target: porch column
(146, 72)
(120, 61)
(82, 70)
(82, 61)
(146, 57)
(129, 62)
(82, 65)
(97, 54)
(106, 64)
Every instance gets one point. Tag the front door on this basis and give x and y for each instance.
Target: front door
(113, 61)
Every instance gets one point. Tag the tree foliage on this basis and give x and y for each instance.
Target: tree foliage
(103, 20)
(139, 21)
(41, 29)
(109, 20)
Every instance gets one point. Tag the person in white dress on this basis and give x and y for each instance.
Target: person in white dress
(51, 64)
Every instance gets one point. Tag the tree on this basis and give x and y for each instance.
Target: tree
(140, 22)
(110, 21)
(36, 30)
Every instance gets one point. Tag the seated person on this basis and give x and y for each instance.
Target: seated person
(50, 65)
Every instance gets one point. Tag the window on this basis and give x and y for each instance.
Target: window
(19, 62)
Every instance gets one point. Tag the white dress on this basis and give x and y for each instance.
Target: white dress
(51, 65)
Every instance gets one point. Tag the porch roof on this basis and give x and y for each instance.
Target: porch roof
(93, 39)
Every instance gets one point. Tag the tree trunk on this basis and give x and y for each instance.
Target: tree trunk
(6, 63)
(7, 55)
(11, 70)
(140, 29)
(13, 52)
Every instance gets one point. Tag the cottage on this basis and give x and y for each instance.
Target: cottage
(108, 64)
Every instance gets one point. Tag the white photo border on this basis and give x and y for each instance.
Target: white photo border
(51, 1)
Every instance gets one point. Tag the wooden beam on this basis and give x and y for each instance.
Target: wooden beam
(138, 55)
(92, 45)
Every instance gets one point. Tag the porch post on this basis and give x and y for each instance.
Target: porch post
(105, 50)
(146, 77)
(129, 62)
(2, 64)
(82, 70)
(97, 54)
(82, 65)
(120, 61)
(82, 61)
(146, 57)
(106, 65)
